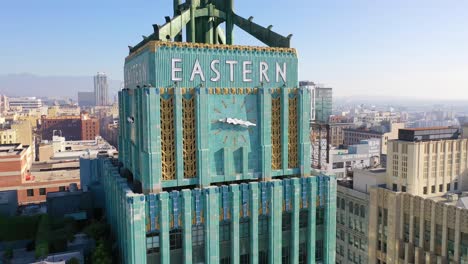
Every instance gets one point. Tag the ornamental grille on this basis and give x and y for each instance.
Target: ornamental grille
(189, 136)
(167, 137)
(292, 130)
(276, 133)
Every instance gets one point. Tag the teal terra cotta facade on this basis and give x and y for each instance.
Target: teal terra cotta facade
(214, 150)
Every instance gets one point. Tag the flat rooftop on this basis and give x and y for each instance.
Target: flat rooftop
(12, 149)
(58, 175)
(425, 128)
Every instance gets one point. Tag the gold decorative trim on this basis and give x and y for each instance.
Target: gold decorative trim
(167, 138)
(276, 157)
(189, 135)
(154, 45)
(293, 152)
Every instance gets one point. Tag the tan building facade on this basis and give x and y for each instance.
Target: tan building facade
(23, 132)
(8, 136)
(428, 168)
(405, 228)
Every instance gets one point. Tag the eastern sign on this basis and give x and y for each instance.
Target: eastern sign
(183, 66)
(244, 68)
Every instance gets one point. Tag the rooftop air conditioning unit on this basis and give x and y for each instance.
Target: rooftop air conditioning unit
(452, 197)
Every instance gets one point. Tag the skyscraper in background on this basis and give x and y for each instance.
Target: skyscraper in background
(101, 89)
(323, 104)
(4, 104)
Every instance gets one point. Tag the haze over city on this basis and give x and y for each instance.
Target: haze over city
(397, 48)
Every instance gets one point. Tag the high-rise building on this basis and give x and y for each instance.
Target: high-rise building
(420, 216)
(101, 89)
(214, 150)
(4, 104)
(321, 106)
(323, 98)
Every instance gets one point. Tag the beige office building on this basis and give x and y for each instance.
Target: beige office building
(422, 214)
(427, 168)
(8, 136)
(405, 228)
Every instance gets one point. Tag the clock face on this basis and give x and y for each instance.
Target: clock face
(234, 120)
(233, 135)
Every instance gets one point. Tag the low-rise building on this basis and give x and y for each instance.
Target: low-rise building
(15, 165)
(336, 133)
(366, 154)
(59, 149)
(354, 136)
(25, 103)
(82, 127)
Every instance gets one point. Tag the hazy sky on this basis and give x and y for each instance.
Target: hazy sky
(415, 48)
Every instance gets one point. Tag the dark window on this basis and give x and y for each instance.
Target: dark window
(338, 165)
(303, 218)
(198, 235)
(286, 222)
(42, 191)
(244, 228)
(403, 188)
(175, 238)
(441, 188)
(61, 188)
(224, 231)
(318, 250)
(320, 215)
(263, 225)
(424, 190)
(285, 255)
(394, 187)
(245, 258)
(448, 187)
(433, 189)
(30, 192)
(152, 243)
(302, 253)
(262, 257)
(226, 260)
(455, 186)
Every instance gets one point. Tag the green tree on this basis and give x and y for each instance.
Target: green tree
(73, 261)
(101, 254)
(42, 237)
(8, 253)
(97, 230)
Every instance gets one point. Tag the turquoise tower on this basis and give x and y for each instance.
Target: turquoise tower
(214, 149)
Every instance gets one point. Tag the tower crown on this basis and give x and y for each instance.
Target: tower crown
(202, 21)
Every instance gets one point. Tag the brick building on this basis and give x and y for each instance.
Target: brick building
(83, 127)
(89, 127)
(15, 163)
(32, 185)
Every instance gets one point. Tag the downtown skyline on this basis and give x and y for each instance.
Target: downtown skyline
(360, 47)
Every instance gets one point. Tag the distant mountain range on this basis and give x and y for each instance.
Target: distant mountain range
(26, 84)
